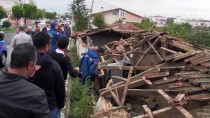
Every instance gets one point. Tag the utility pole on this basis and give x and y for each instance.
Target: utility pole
(90, 14)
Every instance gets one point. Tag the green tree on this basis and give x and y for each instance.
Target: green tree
(28, 10)
(50, 15)
(17, 11)
(39, 14)
(146, 24)
(99, 20)
(80, 14)
(2, 13)
(6, 24)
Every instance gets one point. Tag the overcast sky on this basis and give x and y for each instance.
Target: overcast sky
(168, 8)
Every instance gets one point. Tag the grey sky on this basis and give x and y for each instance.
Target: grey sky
(168, 8)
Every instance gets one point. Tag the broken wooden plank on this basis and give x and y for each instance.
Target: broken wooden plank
(116, 99)
(107, 62)
(179, 108)
(156, 75)
(182, 73)
(197, 82)
(198, 60)
(186, 55)
(126, 67)
(168, 50)
(170, 68)
(142, 57)
(155, 113)
(202, 61)
(200, 97)
(147, 81)
(181, 46)
(155, 50)
(190, 90)
(169, 80)
(148, 111)
(193, 58)
(179, 97)
(171, 57)
(126, 85)
(119, 78)
(174, 86)
(148, 92)
(206, 65)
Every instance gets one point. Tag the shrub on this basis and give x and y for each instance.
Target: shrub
(6, 24)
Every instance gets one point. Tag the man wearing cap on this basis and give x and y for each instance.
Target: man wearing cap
(54, 34)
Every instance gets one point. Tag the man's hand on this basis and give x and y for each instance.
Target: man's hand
(100, 76)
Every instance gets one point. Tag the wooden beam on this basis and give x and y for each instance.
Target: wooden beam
(126, 67)
(119, 78)
(170, 68)
(168, 50)
(184, 56)
(155, 113)
(148, 111)
(148, 92)
(116, 99)
(155, 50)
(179, 108)
(107, 48)
(135, 81)
(106, 62)
(142, 57)
(126, 85)
(181, 46)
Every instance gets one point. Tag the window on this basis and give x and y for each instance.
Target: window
(114, 13)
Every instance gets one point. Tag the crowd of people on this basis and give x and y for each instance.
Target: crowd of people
(33, 84)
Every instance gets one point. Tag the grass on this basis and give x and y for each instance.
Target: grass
(9, 30)
(78, 104)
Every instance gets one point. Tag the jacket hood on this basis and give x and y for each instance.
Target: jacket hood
(43, 59)
(92, 53)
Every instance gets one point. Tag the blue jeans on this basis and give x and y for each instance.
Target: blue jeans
(56, 113)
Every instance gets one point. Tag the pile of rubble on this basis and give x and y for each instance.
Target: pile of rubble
(160, 66)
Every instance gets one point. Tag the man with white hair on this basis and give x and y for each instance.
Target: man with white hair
(21, 37)
(30, 31)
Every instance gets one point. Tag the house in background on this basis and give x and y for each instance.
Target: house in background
(112, 13)
(7, 5)
(118, 14)
(160, 21)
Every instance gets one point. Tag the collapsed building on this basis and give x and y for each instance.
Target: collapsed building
(151, 74)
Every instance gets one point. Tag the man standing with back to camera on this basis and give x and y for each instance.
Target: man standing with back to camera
(19, 98)
(49, 77)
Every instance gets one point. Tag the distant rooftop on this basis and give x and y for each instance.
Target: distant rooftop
(102, 6)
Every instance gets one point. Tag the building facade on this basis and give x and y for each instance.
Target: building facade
(114, 15)
(7, 5)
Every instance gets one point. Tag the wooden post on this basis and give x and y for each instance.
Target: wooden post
(126, 85)
(148, 111)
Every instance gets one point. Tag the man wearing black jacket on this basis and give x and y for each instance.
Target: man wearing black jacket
(63, 58)
(49, 77)
(19, 98)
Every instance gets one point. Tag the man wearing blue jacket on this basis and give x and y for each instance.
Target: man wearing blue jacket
(88, 66)
(55, 34)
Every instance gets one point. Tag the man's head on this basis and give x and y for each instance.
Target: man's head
(21, 28)
(54, 24)
(63, 42)
(100, 51)
(38, 27)
(68, 23)
(48, 24)
(24, 57)
(30, 28)
(42, 41)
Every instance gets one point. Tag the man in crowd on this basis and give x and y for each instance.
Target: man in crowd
(21, 37)
(48, 25)
(38, 29)
(55, 34)
(63, 58)
(67, 29)
(30, 31)
(19, 98)
(88, 66)
(49, 77)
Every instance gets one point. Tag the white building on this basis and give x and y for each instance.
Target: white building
(160, 21)
(7, 5)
